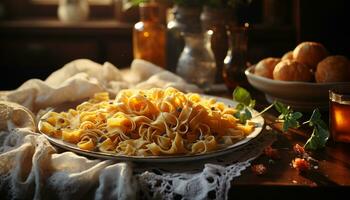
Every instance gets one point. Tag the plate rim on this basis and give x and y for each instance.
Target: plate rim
(164, 158)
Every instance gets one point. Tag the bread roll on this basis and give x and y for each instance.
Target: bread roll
(288, 56)
(310, 53)
(265, 67)
(333, 69)
(291, 70)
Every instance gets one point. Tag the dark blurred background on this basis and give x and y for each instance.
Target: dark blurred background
(34, 43)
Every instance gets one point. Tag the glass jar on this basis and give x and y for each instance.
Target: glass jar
(339, 113)
(197, 63)
(149, 36)
(235, 62)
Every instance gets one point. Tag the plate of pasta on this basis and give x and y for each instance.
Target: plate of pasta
(155, 125)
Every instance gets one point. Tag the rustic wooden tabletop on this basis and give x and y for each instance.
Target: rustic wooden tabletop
(329, 174)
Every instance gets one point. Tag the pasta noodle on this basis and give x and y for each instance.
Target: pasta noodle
(148, 123)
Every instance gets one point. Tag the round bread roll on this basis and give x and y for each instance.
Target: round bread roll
(265, 67)
(288, 56)
(291, 70)
(310, 53)
(333, 69)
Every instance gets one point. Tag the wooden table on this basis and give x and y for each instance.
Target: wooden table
(330, 178)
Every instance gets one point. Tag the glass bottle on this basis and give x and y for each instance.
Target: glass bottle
(175, 42)
(149, 35)
(197, 63)
(235, 62)
(184, 19)
(216, 19)
(188, 18)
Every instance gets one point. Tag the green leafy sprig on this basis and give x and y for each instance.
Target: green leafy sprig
(287, 117)
(245, 101)
(320, 133)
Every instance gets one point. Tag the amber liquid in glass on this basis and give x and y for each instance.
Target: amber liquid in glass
(149, 36)
(149, 43)
(340, 121)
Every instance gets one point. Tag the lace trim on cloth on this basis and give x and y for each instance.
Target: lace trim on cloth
(197, 180)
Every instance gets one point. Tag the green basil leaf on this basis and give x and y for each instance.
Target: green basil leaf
(320, 132)
(318, 138)
(241, 95)
(281, 108)
(290, 120)
(286, 125)
(237, 115)
(297, 115)
(248, 113)
(243, 115)
(240, 106)
(290, 123)
(315, 119)
(316, 116)
(293, 123)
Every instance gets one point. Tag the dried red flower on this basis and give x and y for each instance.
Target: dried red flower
(258, 169)
(298, 149)
(301, 164)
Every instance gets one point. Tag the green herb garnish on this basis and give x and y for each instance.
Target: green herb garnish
(287, 117)
(245, 101)
(242, 96)
(320, 133)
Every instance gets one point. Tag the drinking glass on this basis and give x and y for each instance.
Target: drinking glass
(339, 114)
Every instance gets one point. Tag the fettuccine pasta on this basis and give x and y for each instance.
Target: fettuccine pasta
(148, 122)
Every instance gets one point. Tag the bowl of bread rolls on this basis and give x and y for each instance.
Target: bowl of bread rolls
(302, 77)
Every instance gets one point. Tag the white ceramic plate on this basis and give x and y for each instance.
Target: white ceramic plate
(303, 96)
(161, 159)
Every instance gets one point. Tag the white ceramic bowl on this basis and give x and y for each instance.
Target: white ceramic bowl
(303, 96)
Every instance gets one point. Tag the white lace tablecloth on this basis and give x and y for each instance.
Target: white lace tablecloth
(31, 168)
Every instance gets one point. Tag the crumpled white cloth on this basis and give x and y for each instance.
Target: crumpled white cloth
(31, 168)
(82, 78)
